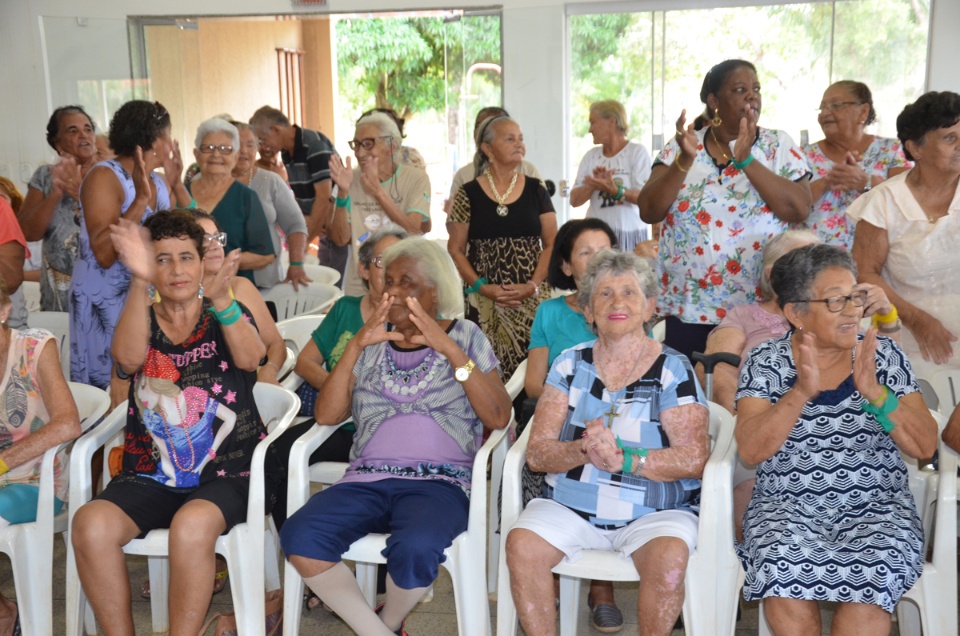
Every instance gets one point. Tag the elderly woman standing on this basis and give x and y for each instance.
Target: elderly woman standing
(191, 428)
(280, 209)
(38, 413)
(847, 162)
(51, 210)
(907, 229)
(721, 191)
(413, 451)
(621, 421)
(827, 412)
(380, 191)
(611, 175)
(235, 206)
(502, 229)
(124, 187)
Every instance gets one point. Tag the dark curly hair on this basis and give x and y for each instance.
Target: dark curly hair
(931, 111)
(178, 223)
(53, 125)
(567, 236)
(137, 123)
(793, 274)
(713, 81)
(861, 92)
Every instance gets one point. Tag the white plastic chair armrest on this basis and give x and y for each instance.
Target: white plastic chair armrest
(512, 503)
(292, 382)
(944, 549)
(256, 509)
(81, 481)
(477, 523)
(298, 478)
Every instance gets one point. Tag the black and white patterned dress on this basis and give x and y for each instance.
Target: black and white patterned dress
(832, 517)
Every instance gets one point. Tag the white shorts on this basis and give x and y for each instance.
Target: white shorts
(571, 534)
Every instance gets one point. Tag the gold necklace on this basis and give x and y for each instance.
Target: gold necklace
(502, 209)
(719, 145)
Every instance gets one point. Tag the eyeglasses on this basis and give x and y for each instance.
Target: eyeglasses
(208, 149)
(219, 237)
(366, 144)
(835, 106)
(377, 262)
(836, 304)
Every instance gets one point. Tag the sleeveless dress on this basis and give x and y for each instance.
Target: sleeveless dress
(832, 517)
(97, 294)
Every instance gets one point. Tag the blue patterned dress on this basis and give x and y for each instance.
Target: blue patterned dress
(97, 294)
(832, 517)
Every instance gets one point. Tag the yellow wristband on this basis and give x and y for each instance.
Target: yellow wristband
(886, 319)
(4, 469)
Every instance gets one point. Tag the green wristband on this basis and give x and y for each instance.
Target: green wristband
(741, 165)
(881, 413)
(344, 202)
(296, 263)
(193, 204)
(477, 284)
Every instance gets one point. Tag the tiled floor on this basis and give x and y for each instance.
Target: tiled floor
(437, 618)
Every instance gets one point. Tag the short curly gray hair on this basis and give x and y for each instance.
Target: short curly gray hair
(437, 267)
(217, 125)
(616, 263)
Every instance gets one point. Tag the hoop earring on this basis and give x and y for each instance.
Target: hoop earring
(716, 121)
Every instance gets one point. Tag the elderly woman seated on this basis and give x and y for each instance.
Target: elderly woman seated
(38, 414)
(621, 424)
(826, 413)
(192, 423)
(421, 389)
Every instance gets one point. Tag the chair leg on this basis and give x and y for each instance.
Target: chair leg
(473, 608)
(159, 568)
(78, 611)
(292, 600)
(908, 617)
(33, 580)
(506, 611)
(569, 605)
(367, 580)
(246, 587)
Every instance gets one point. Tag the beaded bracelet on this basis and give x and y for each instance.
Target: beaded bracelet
(889, 404)
(742, 165)
(477, 284)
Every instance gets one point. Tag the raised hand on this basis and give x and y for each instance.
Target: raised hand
(218, 285)
(370, 175)
(173, 165)
(141, 177)
(687, 139)
(745, 138)
(134, 248)
(342, 175)
(431, 333)
(876, 302)
(865, 367)
(66, 176)
(808, 373)
(374, 331)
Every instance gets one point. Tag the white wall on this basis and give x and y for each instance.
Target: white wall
(534, 36)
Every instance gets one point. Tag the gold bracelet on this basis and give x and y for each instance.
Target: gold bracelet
(676, 162)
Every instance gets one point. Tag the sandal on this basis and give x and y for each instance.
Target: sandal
(219, 582)
(310, 600)
(606, 618)
(403, 623)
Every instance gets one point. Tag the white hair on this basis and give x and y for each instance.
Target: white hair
(217, 125)
(437, 267)
(387, 128)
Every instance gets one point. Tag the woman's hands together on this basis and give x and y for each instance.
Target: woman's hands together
(599, 444)
(374, 331)
(66, 177)
(865, 367)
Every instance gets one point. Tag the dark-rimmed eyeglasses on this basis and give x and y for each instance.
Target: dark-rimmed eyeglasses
(835, 106)
(836, 304)
(208, 149)
(366, 144)
(219, 237)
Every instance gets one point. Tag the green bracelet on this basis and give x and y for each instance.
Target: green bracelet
(193, 204)
(620, 192)
(344, 202)
(628, 455)
(881, 413)
(229, 315)
(741, 165)
(296, 263)
(477, 284)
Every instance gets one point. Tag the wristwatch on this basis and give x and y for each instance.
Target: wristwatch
(641, 461)
(462, 374)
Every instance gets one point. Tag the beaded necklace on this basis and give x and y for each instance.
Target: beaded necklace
(408, 382)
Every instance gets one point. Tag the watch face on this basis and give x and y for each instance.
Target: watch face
(461, 374)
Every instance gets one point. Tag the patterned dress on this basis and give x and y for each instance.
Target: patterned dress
(61, 244)
(832, 517)
(504, 250)
(97, 294)
(828, 216)
(711, 241)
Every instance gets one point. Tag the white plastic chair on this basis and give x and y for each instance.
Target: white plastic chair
(931, 604)
(296, 332)
(946, 383)
(31, 295)
(244, 547)
(465, 559)
(322, 274)
(316, 298)
(57, 323)
(711, 572)
(30, 545)
(308, 259)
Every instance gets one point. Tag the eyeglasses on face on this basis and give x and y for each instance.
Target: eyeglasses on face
(219, 237)
(377, 262)
(366, 144)
(836, 304)
(835, 106)
(208, 149)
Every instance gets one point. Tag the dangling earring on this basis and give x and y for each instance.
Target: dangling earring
(153, 294)
(716, 121)
(200, 292)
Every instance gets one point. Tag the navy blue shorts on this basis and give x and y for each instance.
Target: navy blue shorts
(422, 516)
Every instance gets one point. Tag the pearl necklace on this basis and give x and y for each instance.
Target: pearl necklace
(185, 425)
(502, 209)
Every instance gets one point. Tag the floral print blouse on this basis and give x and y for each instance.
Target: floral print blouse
(712, 238)
(828, 218)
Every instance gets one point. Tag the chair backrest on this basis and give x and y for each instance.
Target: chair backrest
(946, 383)
(296, 331)
(57, 323)
(91, 403)
(275, 404)
(322, 274)
(515, 383)
(315, 298)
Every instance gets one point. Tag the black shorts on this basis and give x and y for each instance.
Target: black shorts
(152, 505)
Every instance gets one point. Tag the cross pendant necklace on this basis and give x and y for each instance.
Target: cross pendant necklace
(616, 399)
